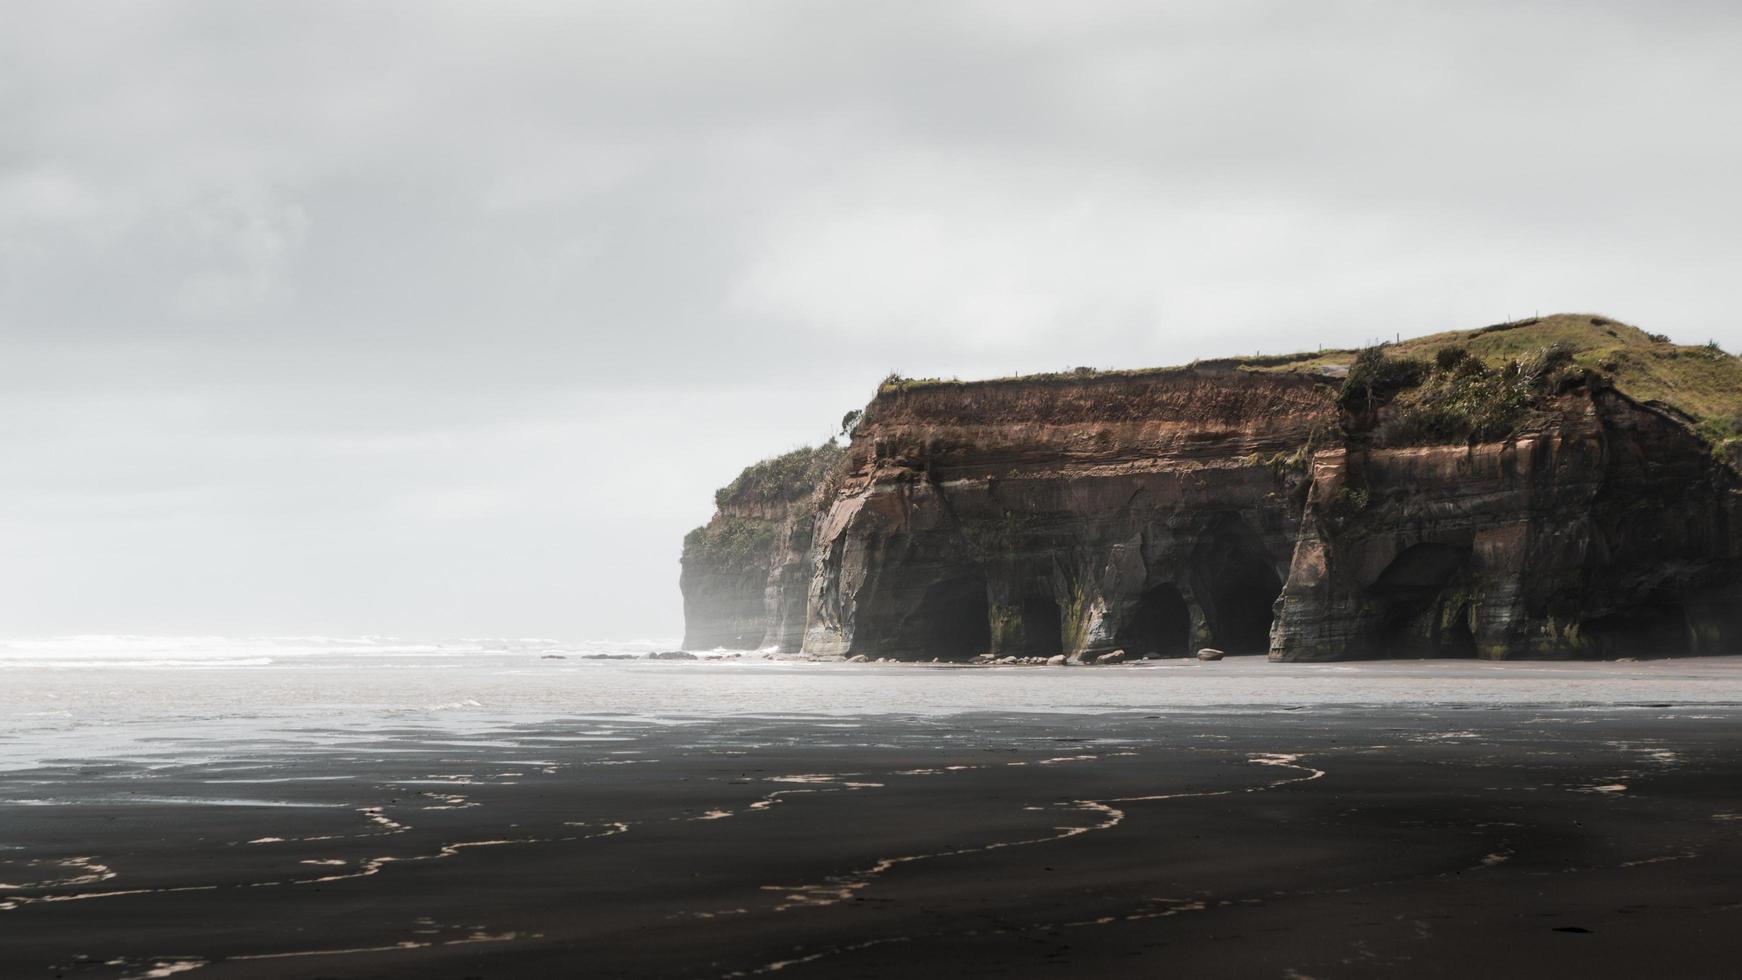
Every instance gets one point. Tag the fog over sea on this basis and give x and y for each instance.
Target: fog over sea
(91, 696)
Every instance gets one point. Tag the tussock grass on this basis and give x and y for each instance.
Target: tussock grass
(1700, 381)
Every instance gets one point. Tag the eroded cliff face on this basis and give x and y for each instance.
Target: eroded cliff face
(745, 571)
(1158, 512)
(1608, 529)
(1155, 514)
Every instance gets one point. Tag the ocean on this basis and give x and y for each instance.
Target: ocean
(87, 696)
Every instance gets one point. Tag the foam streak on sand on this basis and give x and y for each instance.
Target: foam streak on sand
(899, 827)
(842, 888)
(814, 783)
(366, 867)
(93, 872)
(779, 965)
(168, 968)
(398, 947)
(373, 866)
(1263, 759)
(839, 889)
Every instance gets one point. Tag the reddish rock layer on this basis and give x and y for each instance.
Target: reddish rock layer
(1158, 512)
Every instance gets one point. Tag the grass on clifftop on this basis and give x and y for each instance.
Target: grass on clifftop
(896, 382)
(1702, 381)
(1455, 397)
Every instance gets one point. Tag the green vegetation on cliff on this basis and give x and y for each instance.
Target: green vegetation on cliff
(1482, 398)
(783, 479)
(730, 544)
(896, 382)
(1700, 381)
(742, 536)
(1456, 397)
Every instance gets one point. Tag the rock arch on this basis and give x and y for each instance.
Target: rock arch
(1236, 585)
(1423, 604)
(1159, 624)
(1656, 626)
(950, 622)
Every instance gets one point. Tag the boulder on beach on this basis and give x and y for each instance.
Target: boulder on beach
(1210, 653)
(1110, 657)
(672, 655)
(860, 659)
(1056, 660)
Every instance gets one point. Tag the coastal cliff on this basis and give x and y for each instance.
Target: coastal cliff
(1563, 487)
(745, 571)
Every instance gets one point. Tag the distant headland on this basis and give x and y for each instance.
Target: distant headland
(1557, 487)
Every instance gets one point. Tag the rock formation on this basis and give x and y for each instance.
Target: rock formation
(1510, 497)
(745, 571)
(1606, 528)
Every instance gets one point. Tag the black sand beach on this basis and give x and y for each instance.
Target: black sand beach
(1316, 842)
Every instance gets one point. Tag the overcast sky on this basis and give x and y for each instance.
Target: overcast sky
(439, 319)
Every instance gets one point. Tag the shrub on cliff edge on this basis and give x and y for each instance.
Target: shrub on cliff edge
(1459, 406)
(1460, 399)
(730, 544)
(1374, 379)
(785, 478)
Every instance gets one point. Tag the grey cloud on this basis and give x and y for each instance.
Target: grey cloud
(447, 317)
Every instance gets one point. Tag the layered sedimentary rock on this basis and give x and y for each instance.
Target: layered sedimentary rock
(1153, 513)
(745, 571)
(1254, 511)
(1608, 529)
(725, 580)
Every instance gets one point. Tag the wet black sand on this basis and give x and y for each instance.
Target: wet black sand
(1310, 843)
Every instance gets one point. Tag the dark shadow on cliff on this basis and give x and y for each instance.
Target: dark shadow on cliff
(1238, 588)
(1654, 628)
(951, 622)
(1159, 626)
(1042, 628)
(1423, 603)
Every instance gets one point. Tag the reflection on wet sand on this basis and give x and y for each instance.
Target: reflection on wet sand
(747, 846)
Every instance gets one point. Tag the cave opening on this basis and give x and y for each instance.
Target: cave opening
(1042, 628)
(1241, 589)
(952, 621)
(1657, 627)
(1160, 625)
(1423, 610)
